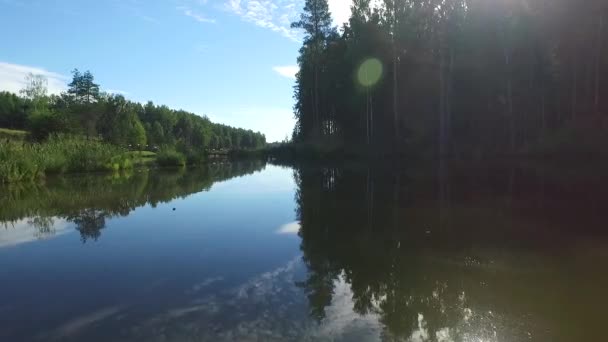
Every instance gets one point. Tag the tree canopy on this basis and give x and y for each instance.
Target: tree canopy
(450, 76)
(85, 109)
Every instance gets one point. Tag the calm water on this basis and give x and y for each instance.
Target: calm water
(254, 252)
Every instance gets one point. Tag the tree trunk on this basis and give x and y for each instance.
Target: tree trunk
(589, 78)
(448, 107)
(510, 100)
(367, 135)
(317, 127)
(316, 123)
(542, 113)
(558, 109)
(371, 118)
(574, 87)
(395, 70)
(395, 109)
(511, 114)
(441, 104)
(369, 196)
(312, 97)
(598, 62)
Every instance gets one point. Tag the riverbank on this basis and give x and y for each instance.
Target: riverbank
(571, 144)
(23, 161)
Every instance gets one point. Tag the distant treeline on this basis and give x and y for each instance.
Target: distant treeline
(85, 110)
(451, 76)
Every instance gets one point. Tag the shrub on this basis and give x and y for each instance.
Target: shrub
(170, 158)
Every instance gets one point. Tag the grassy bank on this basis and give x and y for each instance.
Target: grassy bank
(142, 158)
(12, 134)
(170, 158)
(581, 142)
(22, 161)
(293, 152)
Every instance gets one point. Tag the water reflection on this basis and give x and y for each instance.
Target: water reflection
(31, 229)
(344, 253)
(38, 211)
(451, 253)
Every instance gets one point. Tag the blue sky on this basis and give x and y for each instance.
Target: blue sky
(232, 60)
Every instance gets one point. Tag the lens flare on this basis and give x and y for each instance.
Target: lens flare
(370, 72)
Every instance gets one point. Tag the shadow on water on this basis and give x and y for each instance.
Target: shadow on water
(457, 253)
(88, 200)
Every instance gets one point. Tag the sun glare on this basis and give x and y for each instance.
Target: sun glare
(370, 72)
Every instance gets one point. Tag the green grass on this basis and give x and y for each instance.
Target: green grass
(141, 154)
(20, 161)
(12, 134)
(142, 157)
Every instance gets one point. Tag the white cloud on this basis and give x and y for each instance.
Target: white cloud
(12, 78)
(288, 71)
(23, 231)
(341, 320)
(195, 15)
(117, 92)
(275, 15)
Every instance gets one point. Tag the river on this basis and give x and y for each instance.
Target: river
(250, 251)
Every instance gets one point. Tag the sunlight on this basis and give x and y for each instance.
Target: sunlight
(370, 72)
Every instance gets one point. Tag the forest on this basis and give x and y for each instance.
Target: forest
(455, 77)
(85, 110)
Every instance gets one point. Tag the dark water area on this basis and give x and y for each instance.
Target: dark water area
(249, 251)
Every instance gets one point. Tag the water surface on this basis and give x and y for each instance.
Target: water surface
(249, 251)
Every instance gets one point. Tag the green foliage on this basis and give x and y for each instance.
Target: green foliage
(84, 110)
(120, 124)
(36, 88)
(195, 158)
(12, 111)
(83, 89)
(170, 158)
(142, 157)
(43, 123)
(19, 162)
(450, 77)
(12, 134)
(27, 161)
(115, 193)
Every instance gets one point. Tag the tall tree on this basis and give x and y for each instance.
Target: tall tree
(391, 20)
(316, 22)
(83, 88)
(36, 87)
(599, 45)
(84, 93)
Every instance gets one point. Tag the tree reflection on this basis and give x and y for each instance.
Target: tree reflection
(422, 244)
(45, 226)
(89, 223)
(89, 200)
